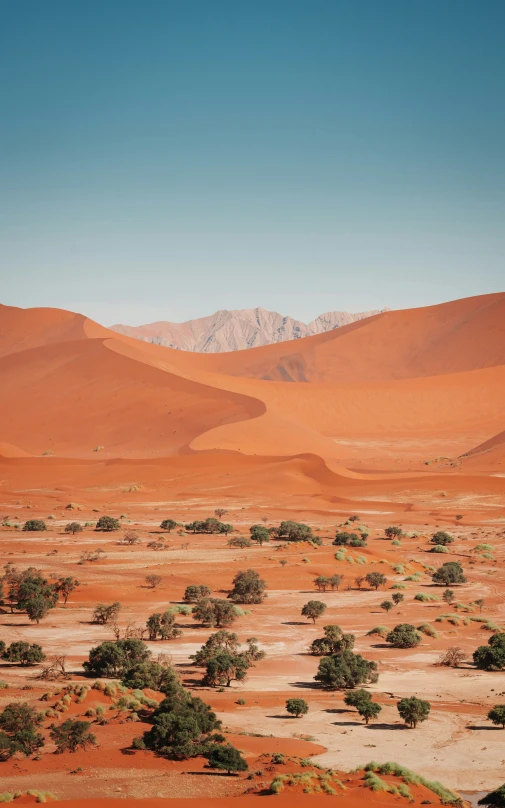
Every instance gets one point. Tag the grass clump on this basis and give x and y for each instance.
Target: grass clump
(416, 577)
(439, 548)
(382, 631)
(42, 796)
(480, 547)
(425, 597)
(446, 796)
(399, 586)
(399, 569)
(428, 630)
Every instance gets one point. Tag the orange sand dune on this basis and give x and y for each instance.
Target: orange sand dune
(408, 383)
(453, 337)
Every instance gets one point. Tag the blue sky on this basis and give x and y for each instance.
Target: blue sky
(161, 159)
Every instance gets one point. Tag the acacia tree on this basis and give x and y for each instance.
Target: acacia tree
(413, 710)
(346, 670)
(214, 612)
(162, 626)
(108, 524)
(224, 667)
(18, 730)
(387, 605)
(297, 707)
(22, 653)
(497, 715)
(397, 598)
(168, 525)
(153, 580)
(65, 586)
(248, 587)
(73, 528)
(393, 532)
(449, 574)
(362, 701)
(313, 609)
(195, 592)
(321, 582)
(404, 635)
(333, 642)
(375, 579)
(441, 538)
(259, 534)
(226, 757)
(72, 735)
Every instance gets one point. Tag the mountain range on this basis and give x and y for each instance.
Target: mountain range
(236, 329)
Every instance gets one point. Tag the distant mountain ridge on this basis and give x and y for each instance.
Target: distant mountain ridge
(237, 329)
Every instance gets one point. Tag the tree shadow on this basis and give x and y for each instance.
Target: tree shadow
(306, 685)
(387, 726)
(336, 711)
(285, 715)
(472, 726)
(347, 724)
(295, 623)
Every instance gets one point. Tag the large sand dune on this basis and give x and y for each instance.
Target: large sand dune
(387, 394)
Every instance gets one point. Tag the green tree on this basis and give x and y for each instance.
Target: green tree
(491, 657)
(448, 574)
(313, 609)
(153, 675)
(497, 715)
(375, 579)
(333, 642)
(259, 534)
(65, 586)
(397, 598)
(168, 525)
(294, 531)
(345, 539)
(393, 532)
(162, 626)
(73, 528)
(217, 643)
(495, 799)
(24, 654)
(404, 635)
(104, 613)
(34, 525)
(448, 596)
(153, 580)
(195, 592)
(335, 581)
(182, 726)
(442, 538)
(413, 710)
(369, 710)
(387, 605)
(72, 735)
(37, 608)
(297, 707)
(321, 582)
(346, 670)
(225, 757)
(214, 612)
(18, 716)
(248, 587)
(113, 659)
(108, 524)
(223, 668)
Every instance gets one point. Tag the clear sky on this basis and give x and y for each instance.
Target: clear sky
(161, 159)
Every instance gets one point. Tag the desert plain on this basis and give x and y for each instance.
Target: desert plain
(397, 419)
